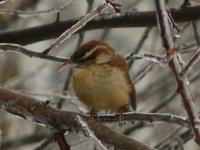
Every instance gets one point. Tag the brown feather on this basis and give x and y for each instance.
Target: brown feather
(120, 62)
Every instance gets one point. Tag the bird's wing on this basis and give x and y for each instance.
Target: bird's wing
(120, 62)
(132, 94)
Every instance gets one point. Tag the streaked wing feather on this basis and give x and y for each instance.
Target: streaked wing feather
(119, 61)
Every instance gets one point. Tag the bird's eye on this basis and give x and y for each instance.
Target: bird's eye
(82, 61)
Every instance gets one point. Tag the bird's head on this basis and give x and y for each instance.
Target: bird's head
(93, 52)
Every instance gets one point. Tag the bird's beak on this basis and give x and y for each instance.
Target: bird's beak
(69, 63)
(72, 63)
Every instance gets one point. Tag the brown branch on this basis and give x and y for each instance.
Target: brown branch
(77, 26)
(146, 117)
(50, 117)
(167, 143)
(7, 47)
(140, 44)
(60, 140)
(115, 5)
(86, 130)
(175, 67)
(34, 13)
(191, 62)
(19, 141)
(133, 19)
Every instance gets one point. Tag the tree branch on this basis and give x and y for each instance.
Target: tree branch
(34, 13)
(77, 26)
(176, 67)
(146, 117)
(60, 140)
(133, 19)
(30, 139)
(38, 112)
(191, 62)
(8, 47)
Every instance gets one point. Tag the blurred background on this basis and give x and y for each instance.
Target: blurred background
(155, 84)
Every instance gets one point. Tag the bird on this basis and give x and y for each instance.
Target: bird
(100, 78)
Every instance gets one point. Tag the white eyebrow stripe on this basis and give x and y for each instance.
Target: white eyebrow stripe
(89, 53)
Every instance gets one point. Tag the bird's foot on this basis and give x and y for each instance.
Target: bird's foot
(119, 114)
(93, 114)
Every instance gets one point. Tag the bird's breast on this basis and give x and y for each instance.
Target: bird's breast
(101, 86)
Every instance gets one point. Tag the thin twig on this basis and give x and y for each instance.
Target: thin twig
(160, 59)
(130, 19)
(143, 72)
(170, 97)
(86, 130)
(3, 1)
(21, 78)
(140, 43)
(115, 5)
(45, 143)
(80, 24)
(34, 13)
(8, 47)
(17, 142)
(183, 136)
(191, 62)
(173, 23)
(196, 32)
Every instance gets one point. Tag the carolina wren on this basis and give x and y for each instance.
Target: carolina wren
(100, 77)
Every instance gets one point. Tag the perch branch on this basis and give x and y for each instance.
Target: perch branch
(37, 111)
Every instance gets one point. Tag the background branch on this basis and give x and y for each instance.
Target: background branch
(34, 13)
(130, 19)
(175, 67)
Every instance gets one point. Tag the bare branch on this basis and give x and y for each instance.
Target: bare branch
(196, 32)
(21, 78)
(116, 6)
(7, 47)
(9, 143)
(60, 140)
(45, 143)
(140, 43)
(142, 73)
(30, 108)
(147, 117)
(191, 62)
(34, 13)
(160, 59)
(80, 24)
(173, 23)
(89, 133)
(175, 67)
(130, 19)
(2, 1)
